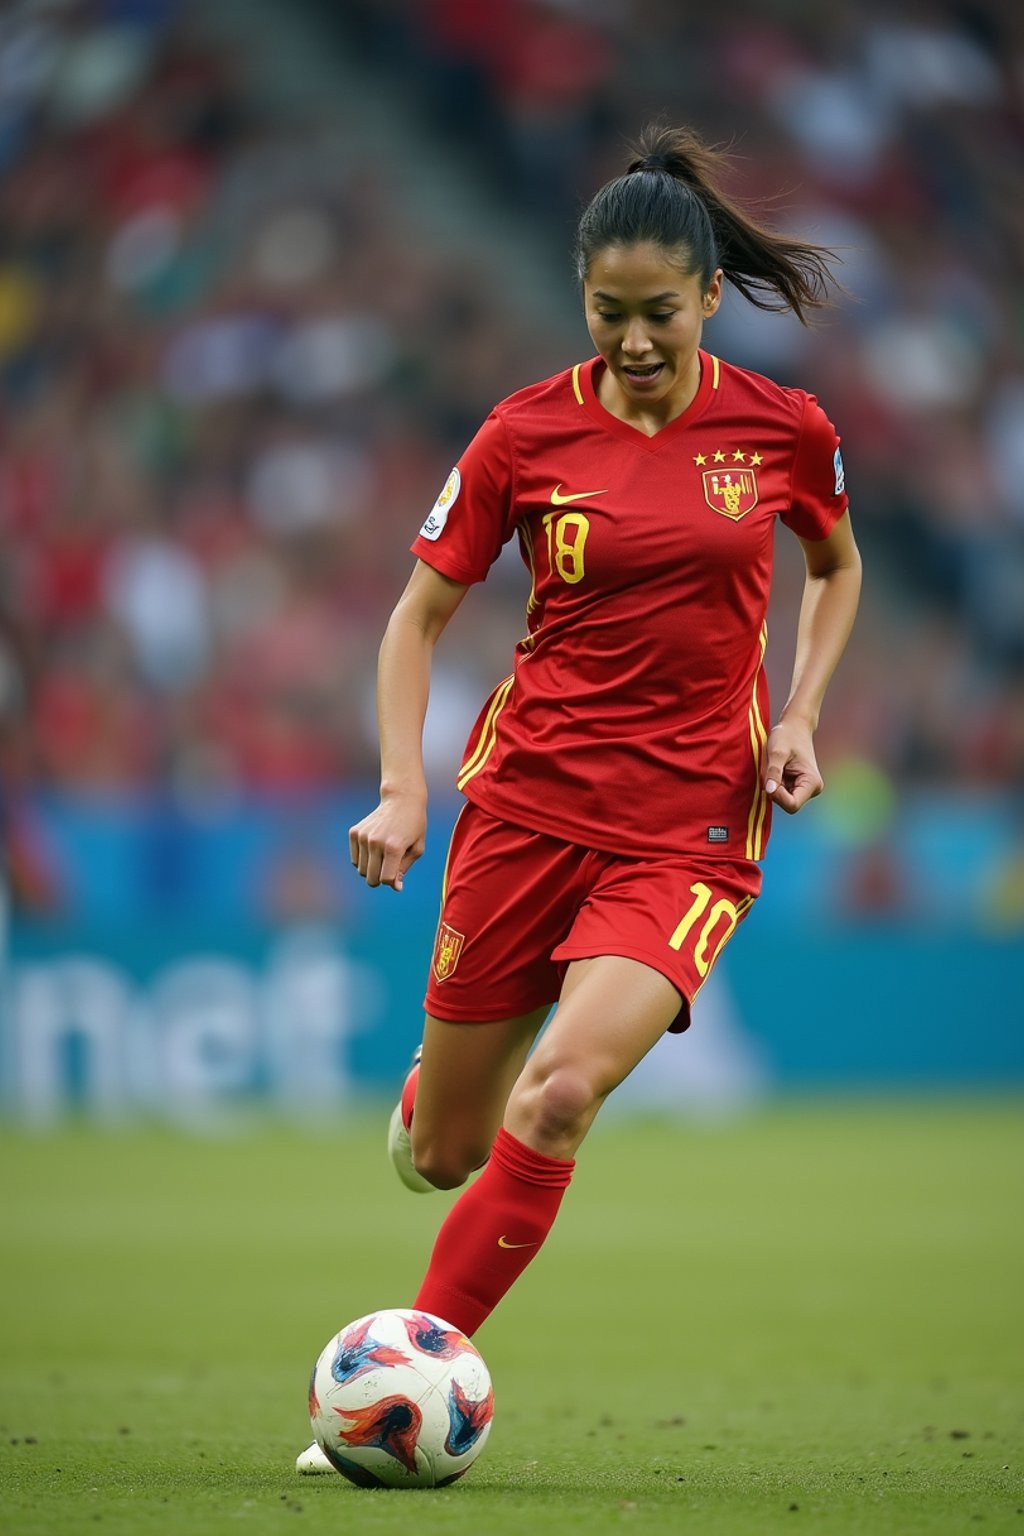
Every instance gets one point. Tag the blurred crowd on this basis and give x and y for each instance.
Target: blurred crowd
(896, 137)
(234, 372)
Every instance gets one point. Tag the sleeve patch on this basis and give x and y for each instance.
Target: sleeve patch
(837, 465)
(437, 517)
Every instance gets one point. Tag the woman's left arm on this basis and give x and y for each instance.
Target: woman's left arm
(831, 593)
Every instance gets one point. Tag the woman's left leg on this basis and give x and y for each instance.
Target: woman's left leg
(611, 1012)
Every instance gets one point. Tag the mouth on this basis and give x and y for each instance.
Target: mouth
(641, 374)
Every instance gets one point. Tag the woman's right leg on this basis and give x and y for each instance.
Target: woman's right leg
(466, 1075)
(611, 1012)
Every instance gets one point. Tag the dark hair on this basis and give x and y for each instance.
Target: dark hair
(671, 196)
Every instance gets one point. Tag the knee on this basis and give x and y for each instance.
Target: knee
(445, 1166)
(560, 1104)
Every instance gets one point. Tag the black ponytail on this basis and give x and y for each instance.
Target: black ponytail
(671, 196)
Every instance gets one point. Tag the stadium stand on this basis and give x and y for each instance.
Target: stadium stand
(263, 269)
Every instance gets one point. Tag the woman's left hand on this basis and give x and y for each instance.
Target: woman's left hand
(791, 776)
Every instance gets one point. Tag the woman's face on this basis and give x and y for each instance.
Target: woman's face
(645, 315)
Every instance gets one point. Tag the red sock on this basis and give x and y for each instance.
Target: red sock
(492, 1232)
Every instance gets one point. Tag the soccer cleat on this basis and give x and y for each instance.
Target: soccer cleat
(313, 1462)
(399, 1142)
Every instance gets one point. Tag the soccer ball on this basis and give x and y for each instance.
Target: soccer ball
(400, 1399)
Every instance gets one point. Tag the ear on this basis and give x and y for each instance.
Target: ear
(712, 295)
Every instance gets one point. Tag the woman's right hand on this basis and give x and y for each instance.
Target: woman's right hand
(385, 844)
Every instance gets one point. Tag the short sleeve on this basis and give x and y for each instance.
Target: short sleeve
(472, 518)
(818, 498)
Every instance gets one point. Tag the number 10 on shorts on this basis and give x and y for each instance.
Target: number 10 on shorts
(719, 921)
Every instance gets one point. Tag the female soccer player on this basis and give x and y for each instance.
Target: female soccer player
(620, 781)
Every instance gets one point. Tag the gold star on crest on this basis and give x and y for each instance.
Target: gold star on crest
(739, 456)
(719, 456)
(700, 458)
(755, 458)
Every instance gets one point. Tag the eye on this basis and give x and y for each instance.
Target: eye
(609, 316)
(662, 316)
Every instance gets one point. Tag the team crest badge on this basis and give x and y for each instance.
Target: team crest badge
(447, 950)
(731, 491)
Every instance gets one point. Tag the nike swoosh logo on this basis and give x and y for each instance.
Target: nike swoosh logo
(558, 500)
(504, 1243)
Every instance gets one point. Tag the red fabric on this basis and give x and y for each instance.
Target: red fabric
(492, 1232)
(409, 1096)
(636, 716)
(519, 906)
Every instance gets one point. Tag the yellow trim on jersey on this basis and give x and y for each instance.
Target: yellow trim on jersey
(527, 538)
(488, 734)
(758, 739)
(714, 371)
(576, 384)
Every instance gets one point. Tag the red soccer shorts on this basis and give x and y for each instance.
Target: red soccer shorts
(517, 906)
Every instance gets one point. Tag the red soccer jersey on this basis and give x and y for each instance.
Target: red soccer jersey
(636, 717)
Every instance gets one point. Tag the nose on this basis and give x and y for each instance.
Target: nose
(636, 340)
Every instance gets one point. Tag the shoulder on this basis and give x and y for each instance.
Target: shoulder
(762, 396)
(790, 414)
(515, 428)
(537, 402)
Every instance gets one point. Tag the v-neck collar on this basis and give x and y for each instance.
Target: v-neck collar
(585, 379)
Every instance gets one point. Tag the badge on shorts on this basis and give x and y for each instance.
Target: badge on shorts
(447, 950)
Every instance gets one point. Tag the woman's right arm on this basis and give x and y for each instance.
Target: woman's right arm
(388, 841)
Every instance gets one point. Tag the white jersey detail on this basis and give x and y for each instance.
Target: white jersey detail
(434, 526)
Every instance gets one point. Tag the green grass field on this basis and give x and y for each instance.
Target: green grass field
(807, 1320)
